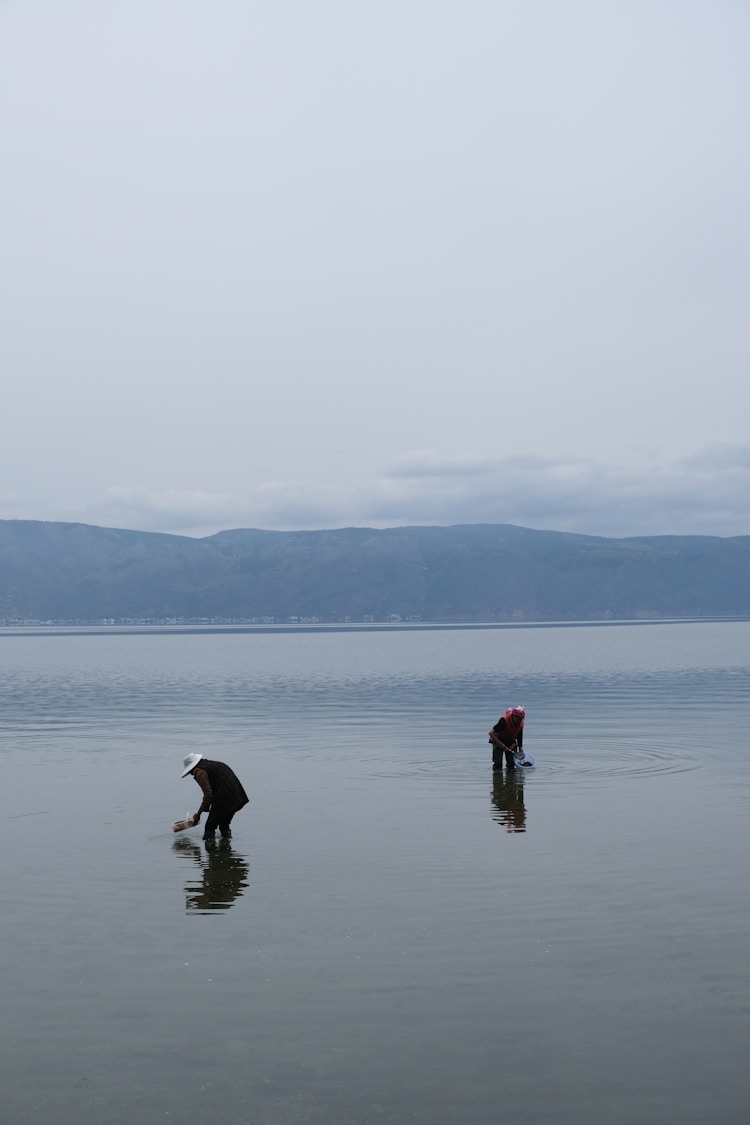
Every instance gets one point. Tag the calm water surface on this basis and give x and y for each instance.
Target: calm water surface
(390, 937)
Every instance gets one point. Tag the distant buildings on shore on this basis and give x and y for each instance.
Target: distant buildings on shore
(293, 619)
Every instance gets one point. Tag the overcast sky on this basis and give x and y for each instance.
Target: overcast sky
(322, 263)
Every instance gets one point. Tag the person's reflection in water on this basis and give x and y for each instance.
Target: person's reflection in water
(507, 800)
(224, 874)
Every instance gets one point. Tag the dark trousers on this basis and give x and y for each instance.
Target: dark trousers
(497, 757)
(220, 819)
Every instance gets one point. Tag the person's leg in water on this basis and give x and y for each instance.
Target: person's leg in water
(500, 752)
(209, 832)
(220, 819)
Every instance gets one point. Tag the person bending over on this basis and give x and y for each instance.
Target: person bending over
(223, 794)
(507, 738)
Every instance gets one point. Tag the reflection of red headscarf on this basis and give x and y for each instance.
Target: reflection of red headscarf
(514, 718)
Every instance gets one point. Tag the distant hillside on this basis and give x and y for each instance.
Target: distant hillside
(485, 572)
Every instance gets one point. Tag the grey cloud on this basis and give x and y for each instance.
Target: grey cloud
(255, 254)
(425, 463)
(718, 457)
(548, 493)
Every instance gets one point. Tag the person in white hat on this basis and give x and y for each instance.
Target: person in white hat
(223, 794)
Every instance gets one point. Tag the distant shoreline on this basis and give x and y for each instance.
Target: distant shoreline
(94, 628)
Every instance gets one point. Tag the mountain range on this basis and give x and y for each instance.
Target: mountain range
(70, 572)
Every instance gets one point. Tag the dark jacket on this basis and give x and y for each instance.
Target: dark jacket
(224, 792)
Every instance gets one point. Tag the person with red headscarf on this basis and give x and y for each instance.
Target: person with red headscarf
(506, 738)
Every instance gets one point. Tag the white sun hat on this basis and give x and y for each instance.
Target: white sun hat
(190, 762)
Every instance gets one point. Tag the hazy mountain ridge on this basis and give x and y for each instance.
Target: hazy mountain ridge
(483, 572)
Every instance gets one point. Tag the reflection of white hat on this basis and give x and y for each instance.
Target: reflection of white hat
(190, 762)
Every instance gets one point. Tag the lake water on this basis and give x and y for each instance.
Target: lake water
(389, 937)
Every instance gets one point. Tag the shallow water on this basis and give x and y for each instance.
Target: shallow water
(390, 936)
